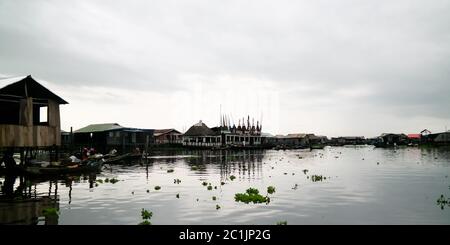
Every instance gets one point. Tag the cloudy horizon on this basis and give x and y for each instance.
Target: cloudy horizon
(344, 68)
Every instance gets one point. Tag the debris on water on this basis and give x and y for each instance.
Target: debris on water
(197, 199)
(222, 183)
(232, 177)
(295, 187)
(96, 184)
(285, 173)
(214, 198)
(170, 170)
(209, 187)
(305, 171)
(215, 187)
(132, 193)
(178, 195)
(157, 187)
(204, 183)
(176, 181)
(270, 189)
(148, 191)
(217, 207)
(293, 173)
(378, 163)
(282, 222)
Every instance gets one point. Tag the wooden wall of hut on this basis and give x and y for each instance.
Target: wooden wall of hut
(27, 133)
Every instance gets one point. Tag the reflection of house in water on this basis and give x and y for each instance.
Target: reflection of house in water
(244, 164)
(243, 136)
(22, 205)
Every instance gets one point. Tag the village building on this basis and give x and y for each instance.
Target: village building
(241, 136)
(298, 140)
(167, 136)
(112, 136)
(29, 117)
(348, 140)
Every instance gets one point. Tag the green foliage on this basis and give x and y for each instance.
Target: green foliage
(214, 198)
(146, 216)
(305, 171)
(99, 181)
(209, 187)
(178, 195)
(232, 177)
(157, 187)
(113, 180)
(223, 183)
(50, 212)
(170, 171)
(251, 195)
(270, 189)
(106, 180)
(316, 178)
(217, 207)
(204, 183)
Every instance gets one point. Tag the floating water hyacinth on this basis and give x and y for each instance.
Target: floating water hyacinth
(170, 170)
(232, 177)
(270, 189)
(157, 187)
(251, 195)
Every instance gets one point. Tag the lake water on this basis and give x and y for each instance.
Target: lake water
(363, 185)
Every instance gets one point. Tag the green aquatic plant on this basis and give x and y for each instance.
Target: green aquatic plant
(222, 183)
(194, 167)
(217, 207)
(209, 188)
(251, 195)
(295, 187)
(442, 201)
(157, 187)
(214, 198)
(282, 222)
(176, 181)
(96, 184)
(99, 181)
(232, 177)
(204, 183)
(113, 180)
(52, 212)
(148, 191)
(270, 189)
(178, 195)
(215, 187)
(146, 216)
(106, 180)
(305, 171)
(170, 170)
(316, 178)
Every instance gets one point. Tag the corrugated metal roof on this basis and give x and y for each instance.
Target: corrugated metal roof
(159, 132)
(99, 128)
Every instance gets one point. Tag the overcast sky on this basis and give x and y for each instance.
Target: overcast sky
(326, 67)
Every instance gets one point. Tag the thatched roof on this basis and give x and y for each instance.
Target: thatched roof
(27, 87)
(199, 129)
